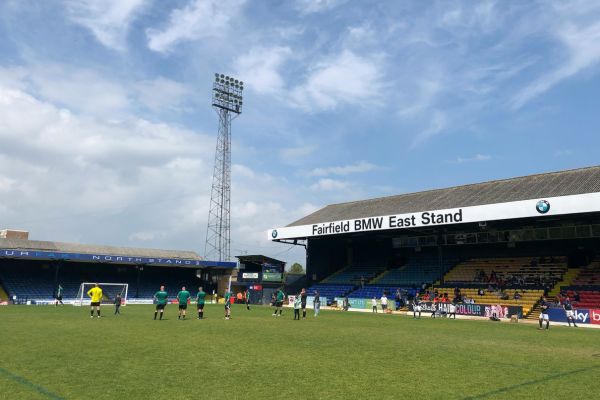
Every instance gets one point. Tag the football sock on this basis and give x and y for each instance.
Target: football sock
(91, 313)
(547, 324)
(98, 312)
(540, 324)
(155, 312)
(280, 311)
(161, 314)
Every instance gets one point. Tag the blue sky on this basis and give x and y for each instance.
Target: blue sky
(107, 134)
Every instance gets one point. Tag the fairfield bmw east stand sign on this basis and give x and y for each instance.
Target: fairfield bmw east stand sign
(573, 204)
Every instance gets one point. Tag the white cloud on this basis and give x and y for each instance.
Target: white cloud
(293, 154)
(344, 79)
(329, 184)
(78, 89)
(316, 6)
(197, 20)
(259, 68)
(583, 51)
(125, 181)
(161, 93)
(422, 96)
(108, 20)
(475, 158)
(436, 125)
(146, 236)
(361, 166)
(74, 169)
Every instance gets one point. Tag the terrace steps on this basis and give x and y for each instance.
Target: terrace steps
(382, 274)
(568, 278)
(336, 273)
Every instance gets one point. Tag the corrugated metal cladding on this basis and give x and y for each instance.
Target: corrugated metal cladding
(554, 184)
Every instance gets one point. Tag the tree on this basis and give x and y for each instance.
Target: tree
(296, 269)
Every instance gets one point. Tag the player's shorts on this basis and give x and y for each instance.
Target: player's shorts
(384, 306)
(227, 305)
(200, 306)
(417, 308)
(570, 313)
(95, 304)
(58, 297)
(160, 306)
(544, 317)
(183, 306)
(303, 305)
(279, 304)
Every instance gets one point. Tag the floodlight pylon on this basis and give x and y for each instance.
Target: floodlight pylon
(227, 102)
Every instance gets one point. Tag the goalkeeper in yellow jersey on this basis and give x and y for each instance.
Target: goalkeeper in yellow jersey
(95, 294)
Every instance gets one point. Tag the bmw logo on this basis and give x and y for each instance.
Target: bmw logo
(274, 233)
(542, 206)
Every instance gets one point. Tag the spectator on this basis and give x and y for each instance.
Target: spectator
(576, 297)
(346, 304)
(317, 303)
(297, 305)
(534, 262)
(398, 299)
(118, 302)
(480, 292)
(517, 295)
(384, 302)
(374, 304)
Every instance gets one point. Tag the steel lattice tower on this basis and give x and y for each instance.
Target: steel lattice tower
(227, 102)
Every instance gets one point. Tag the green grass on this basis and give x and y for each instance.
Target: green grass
(60, 353)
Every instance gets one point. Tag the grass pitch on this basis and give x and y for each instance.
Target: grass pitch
(60, 353)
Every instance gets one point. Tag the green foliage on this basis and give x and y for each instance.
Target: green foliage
(60, 353)
(296, 268)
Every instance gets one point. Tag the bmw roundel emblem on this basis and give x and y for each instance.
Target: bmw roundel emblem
(274, 233)
(542, 206)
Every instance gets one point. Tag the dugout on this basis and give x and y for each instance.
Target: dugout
(32, 269)
(262, 275)
(549, 214)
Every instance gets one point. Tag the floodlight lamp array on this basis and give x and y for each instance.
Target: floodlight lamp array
(227, 93)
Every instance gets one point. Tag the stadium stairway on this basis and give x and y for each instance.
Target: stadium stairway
(336, 273)
(567, 280)
(385, 273)
(379, 276)
(534, 313)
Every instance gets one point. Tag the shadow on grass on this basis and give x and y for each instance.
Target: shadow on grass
(27, 383)
(531, 382)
